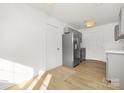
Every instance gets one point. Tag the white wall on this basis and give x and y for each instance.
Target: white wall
(22, 36)
(21, 32)
(104, 37)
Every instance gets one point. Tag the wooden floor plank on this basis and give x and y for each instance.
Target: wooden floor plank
(89, 75)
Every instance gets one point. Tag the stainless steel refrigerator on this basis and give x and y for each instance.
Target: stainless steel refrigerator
(71, 47)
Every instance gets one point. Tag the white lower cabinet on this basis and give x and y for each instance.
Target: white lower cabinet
(115, 68)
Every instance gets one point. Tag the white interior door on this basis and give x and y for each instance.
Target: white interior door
(94, 45)
(52, 47)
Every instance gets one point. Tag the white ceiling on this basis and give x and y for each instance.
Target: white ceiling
(75, 14)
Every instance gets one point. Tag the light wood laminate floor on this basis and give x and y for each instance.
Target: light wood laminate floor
(89, 75)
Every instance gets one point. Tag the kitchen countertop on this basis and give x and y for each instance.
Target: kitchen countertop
(115, 51)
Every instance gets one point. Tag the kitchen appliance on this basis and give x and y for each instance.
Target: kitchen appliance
(119, 29)
(83, 54)
(71, 47)
(116, 32)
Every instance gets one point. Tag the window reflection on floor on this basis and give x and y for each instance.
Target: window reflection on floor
(12, 72)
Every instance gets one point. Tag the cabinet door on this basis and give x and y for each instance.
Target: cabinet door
(115, 68)
(107, 78)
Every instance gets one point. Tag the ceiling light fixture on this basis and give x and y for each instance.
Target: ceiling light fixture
(89, 23)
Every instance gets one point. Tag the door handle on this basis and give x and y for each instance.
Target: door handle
(58, 48)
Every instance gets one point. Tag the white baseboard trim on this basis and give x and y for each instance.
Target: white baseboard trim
(115, 82)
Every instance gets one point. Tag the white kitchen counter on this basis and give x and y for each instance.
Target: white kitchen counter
(115, 51)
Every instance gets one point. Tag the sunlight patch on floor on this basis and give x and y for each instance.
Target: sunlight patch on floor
(36, 80)
(14, 72)
(46, 82)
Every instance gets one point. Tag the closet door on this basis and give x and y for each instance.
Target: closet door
(52, 47)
